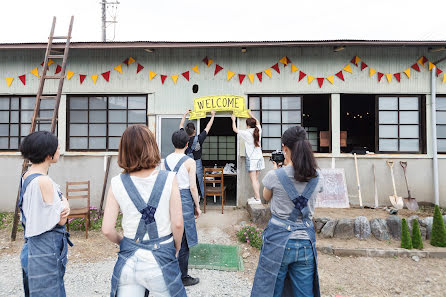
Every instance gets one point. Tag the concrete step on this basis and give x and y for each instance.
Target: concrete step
(259, 213)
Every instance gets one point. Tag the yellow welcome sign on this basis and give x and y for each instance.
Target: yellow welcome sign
(202, 105)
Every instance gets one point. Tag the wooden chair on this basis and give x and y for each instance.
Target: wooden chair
(214, 185)
(79, 190)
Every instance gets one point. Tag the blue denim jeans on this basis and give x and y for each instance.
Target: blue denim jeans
(183, 257)
(298, 262)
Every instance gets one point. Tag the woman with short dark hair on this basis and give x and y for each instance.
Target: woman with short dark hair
(289, 240)
(44, 213)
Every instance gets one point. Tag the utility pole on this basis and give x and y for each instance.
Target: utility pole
(104, 4)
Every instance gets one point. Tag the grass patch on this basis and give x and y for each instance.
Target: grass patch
(216, 256)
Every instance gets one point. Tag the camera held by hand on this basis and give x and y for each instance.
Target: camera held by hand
(278, 157)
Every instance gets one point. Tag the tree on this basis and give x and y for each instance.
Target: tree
(438, 237)
(406, 241)
(417, 243)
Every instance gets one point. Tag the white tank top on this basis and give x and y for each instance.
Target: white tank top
(182, 175)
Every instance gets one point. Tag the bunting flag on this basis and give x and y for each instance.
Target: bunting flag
(210, 62)
(69, 74)
(422, 60)
(251, 77)
(301, 75)
(206, 61)
(118, 68)
(372, 71)
(380, 75)
(140, 67)
(35, 71)
(444, 78)
(407, 72)
(310, 79)
(340, 75)
(152, 75)
(241, 77)
(126, 62)
(229, 75)
(23, 79)
(439, 71)
(218, 68)
(389, 77)
(174, 78)
(355, 60)
(106, 75)
(185, 75)
(49, 63)
(268, 72)
(320, 81)
(58, 69)
(293, 68)
(163, 78)
(94, 78)
(9, 80)
(431, 65)
(195, 68)
(397, 76)
(348, 68)
(330, 78)
(285, 61)
(82, 77)
(416, 67)
(130, 61)
(363, 66)
(276, 67)
(259, 76)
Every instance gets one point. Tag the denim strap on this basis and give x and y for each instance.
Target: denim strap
(23, 187)
(190, 151)
(166, 165)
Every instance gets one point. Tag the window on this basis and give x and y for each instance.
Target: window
(15, 119)
(97, 122)
(441, 124)
(276, 113)
(167, 124)
(399, 124)
(221, 148)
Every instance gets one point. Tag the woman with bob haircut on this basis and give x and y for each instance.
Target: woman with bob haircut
(152, 220)
(44, 213)
(289, 240)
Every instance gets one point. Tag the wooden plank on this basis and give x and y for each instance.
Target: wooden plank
(78, 190)
(77, 197)
(104, 185)
(78, 183)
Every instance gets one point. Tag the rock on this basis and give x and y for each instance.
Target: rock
(410, 221)
(394, 226)
(362, 228)
(379, 229)
(326, 249)
(243, 223)
(416, 258)
(246, 255)
(423, 232)
(345, 229)
(260, 214)
(319, 223)
(427, 224)
(328, 230)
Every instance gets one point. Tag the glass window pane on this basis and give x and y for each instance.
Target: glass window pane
(24, 129)
(118, 129)
(223, 145)
(388, 117)
(44, 127)
(117, 116)
(46, 113)
(4, 103)
(270, 102)
(388, 103)
(286, 126)
(409, 117)
(14, 130)
(77, 116)
(98, 116)
(78, 143)
(98, 129)
(441, 131)
(409, 103)
(291, 117)
(409, 131)
(78, 103)
(441, 117)
(28, 102)
(97, 143)
(256, 114)
(4, 116)
(441, 103)
(4, 143)
(409, 145)
(213, 151)
(213, 145)
(26, 116)
(291, 102)
(388, 131)
(47, 104)
(78, 130)
(14, 117)
(117, 102)
(137, 102)
(271, 116)
(4, 129)
(113, 143)
(441, 145)
(388, 145)
(137, 116)
(221, 139)
(271, 144)
(254, 103)
(15, 103)
(271, 130)
(98, 102)
(14, 143)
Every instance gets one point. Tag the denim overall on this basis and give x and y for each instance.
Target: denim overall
(164, 253)
(43, 257)
(275, 238)
(199, 164)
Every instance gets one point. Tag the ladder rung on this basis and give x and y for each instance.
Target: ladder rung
(44, 120)
(61, 37)
(55, 56)
(53, 77)
(48, 97)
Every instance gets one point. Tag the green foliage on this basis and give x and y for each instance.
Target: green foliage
(438, 237)
(6, 221)
(406, 242)
(251, 235)
(417, 243)
(95, 221)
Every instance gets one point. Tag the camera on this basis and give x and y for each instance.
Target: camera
(278, 157)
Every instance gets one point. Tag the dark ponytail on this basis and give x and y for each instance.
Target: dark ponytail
(304, 163)
(251, 123)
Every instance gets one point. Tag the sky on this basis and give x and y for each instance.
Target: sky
(229, 20)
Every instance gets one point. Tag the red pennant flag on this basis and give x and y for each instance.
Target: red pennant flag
(23, 79)
(288, 61)
(363, 66)
(241, 77)
(163, 78)
(218, 68)
(259, 75)
(206, 61)
(106, 75)
(397, 76)
(416, 67)
(340, 75)
(380, 75)
(82, 77)
(301, 75)
(186, 75)
(41, 64)
(126, 62)
(424, 59)
(58, 69)
(320, 81)
(140, 67)
(276, 67)
(47, 68)
(439, 71)
(353, 61)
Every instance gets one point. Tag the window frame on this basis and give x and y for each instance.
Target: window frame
(436, 124)
(106, 123)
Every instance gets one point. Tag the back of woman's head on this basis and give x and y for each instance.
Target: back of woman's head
(190, 128)
(138, 149)
(37, 146)
(252, 123)
(304, 163)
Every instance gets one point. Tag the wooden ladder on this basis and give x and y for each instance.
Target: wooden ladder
(49, 54)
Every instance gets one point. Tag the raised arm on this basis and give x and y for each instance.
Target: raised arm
(252, 116)
(211, 121)
(110, 216)
(234, 126)
(184, 118)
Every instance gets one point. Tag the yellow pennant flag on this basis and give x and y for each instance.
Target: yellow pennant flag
(229, 75)
(330, 78)
(284, 60)
(195, 68)
(421, 61)
(251, 77)
(357, 60)
(268, 72)
(444, 78)
(431, 66)
(35, 71)
(50, 62)
(118, 68)
(174, 78)
(94, 78)
(131, 60)
(389, 77)
(372, 71)
(69, 74)
(348, 68)
(152, 74)
(9, 80)
(310, 79)
(407, 72)
(293, 68)
(210, 62)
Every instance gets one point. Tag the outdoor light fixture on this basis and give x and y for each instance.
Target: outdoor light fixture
(338, 48)
(243, 49)
(149, 50)
(437, 49)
